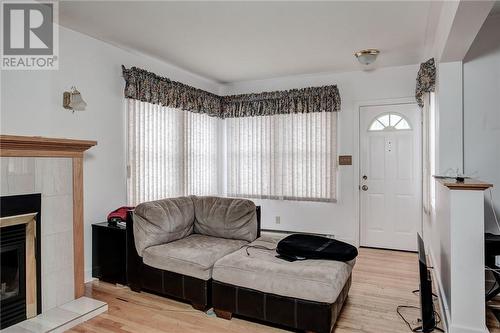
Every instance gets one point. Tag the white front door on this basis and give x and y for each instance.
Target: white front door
(390, 176)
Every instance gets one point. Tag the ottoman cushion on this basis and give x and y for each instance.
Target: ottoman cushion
(313, 280)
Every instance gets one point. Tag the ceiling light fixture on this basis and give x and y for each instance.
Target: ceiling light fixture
(368, 56)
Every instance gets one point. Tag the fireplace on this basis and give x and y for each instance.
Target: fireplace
(20, 276)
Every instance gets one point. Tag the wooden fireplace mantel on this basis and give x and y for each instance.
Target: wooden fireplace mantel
(36, 146)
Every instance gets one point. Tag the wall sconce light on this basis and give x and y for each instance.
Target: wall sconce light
(72, 100)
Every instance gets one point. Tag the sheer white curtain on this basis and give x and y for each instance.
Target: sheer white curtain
(287, 156)
(170, 152)
(201, 153)
(428, 143)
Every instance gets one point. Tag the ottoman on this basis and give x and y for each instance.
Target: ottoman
(305, 295)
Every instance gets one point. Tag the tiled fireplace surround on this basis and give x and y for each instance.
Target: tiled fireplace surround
(53, 178)
(52, 167)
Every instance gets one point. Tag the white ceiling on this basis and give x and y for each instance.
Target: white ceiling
(238, 41)
(496, 8)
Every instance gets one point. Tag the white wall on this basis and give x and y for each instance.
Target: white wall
(31, 104)
(449, 122)
(468, 137)
(482, 113)
(340, 218)
(448, 160)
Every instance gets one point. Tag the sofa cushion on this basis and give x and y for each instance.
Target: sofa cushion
(313, 280)
(193, 255)
(162, 221)
(225, 217)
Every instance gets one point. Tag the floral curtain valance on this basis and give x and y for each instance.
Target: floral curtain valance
(306, 100)
(149, 87)
(426, 80)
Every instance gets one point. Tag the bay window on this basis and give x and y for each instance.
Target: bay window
(275, 145)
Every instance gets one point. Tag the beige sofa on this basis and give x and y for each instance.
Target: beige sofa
(177, 242)
(195, 249)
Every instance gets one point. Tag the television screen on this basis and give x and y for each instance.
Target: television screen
(426, 302)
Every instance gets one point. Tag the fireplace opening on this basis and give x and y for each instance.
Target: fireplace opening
(20, 278)
(13, 274)
(9, 276)
(13, 262)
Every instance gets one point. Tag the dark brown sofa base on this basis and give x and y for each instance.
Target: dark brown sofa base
(186, 288)
(182, 287)
(286, 311)
(144, 277)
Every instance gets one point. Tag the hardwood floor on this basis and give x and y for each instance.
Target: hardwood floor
(491, 321)
(382, 280)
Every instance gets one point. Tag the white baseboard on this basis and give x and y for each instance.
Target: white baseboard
(461, 329)
(286, 232)
(88, 276)
(443, 304)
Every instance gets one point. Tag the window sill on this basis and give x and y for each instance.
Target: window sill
(281, 198)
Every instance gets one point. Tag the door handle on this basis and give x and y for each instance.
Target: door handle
(364, 188)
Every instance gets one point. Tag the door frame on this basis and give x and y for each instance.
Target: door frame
(357, 159)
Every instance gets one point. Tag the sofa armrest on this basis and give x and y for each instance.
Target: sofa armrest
(257, 210)
(134, 261)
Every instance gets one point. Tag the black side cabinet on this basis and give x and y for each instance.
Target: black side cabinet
(109, 244)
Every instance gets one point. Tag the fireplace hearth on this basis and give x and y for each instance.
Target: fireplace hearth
(20, 278)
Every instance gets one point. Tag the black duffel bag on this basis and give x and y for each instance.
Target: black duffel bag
(301, 247)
